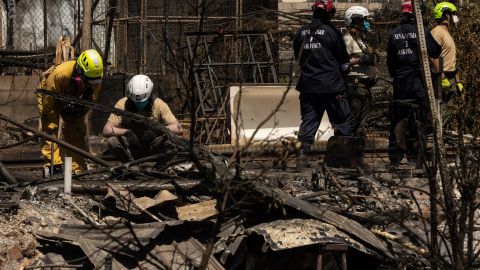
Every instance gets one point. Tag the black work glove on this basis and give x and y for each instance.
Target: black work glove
(132, 139)
(156, 129)
(73, 109)
(367, 59)
(148, 137)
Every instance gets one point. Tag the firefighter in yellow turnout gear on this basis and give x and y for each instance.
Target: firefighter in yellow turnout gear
(80, 78)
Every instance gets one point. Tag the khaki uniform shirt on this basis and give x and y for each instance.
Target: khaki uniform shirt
(160, 113)
(449, 52)
(356, 46)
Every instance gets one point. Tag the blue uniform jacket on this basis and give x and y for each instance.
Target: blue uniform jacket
(323, 58)
(403, 57)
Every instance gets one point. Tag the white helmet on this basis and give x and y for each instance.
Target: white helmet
(355, 11)
(139, 88)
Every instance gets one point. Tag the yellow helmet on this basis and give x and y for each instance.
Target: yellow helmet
(442, 7)
(91, 64)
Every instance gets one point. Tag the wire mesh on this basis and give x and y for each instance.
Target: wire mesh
(35, 18)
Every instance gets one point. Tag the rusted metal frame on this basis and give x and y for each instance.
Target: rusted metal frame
(219, 117)
(439, 155)
(112, 10)
(60, 142)
(144, 42)
(227, 34)
(270, 55)
(140, 66)
(201, 104)
(14, 63)
(211, 73)
(253, 59)
(204, 93)
(166, 9)
(220, 64)
(197, 83)
(17, 53)
(96, 45)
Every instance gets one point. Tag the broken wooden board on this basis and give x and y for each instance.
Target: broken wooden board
(98, 256)
(184, 255)
(197, 211)
(351, 227)
(109, 237)
(84, 187)
(126, 201)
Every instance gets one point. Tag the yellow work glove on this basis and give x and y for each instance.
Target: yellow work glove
(446, 84)
(460, 87)
(51, 128)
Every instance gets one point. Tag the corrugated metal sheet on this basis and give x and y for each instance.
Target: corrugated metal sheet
(287, 234)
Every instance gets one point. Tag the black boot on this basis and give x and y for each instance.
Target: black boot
(358, 147)
(302, 160)
(57, 171)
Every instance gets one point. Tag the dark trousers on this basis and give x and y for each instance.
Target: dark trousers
(360, 100)
(410, 87)
(312, 107)
(124, 152)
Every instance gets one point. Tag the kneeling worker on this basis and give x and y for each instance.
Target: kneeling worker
(129, 139)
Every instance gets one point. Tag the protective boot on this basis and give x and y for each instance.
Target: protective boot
(358, 149)
(57, 171)
(302, 160)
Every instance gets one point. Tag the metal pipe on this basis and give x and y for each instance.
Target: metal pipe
(59, 142)
(52, 158)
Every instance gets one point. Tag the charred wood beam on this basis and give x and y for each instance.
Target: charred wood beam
(346, 225)
(59, 142)
(19, 53)
(11, 63)
(32, 57)
(5, 174)
(97, 188)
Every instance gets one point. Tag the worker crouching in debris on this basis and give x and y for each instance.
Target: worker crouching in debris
(81, 79)
(362, 57)
(403, 62)
(129, 139)
(321, 52)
